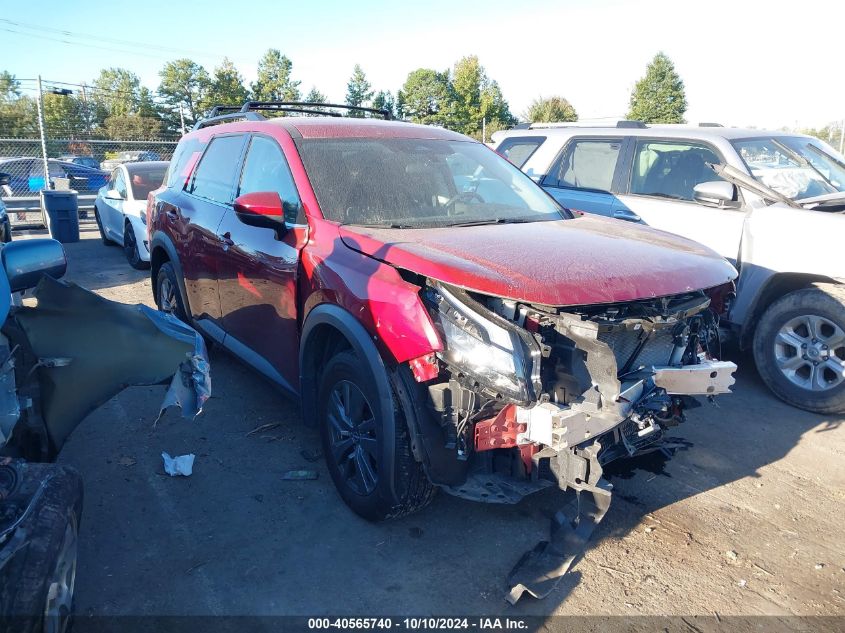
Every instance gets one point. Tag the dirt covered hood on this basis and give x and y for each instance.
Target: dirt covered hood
(582, 261)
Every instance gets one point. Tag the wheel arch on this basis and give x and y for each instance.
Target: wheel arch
(163, 250)
(769, 288)
(328, 328)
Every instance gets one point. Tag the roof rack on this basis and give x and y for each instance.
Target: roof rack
(247, 112)
(622, 123)
(310, 107)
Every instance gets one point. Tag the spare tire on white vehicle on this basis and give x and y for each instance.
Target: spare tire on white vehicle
(799, 348)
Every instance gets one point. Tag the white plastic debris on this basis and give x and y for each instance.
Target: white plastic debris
(179, 465)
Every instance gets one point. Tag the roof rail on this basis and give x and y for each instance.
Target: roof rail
(310, 107)
(216, 119)
(585, 123)
(247, 112)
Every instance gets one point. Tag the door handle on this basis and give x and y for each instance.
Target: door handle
(626, 214)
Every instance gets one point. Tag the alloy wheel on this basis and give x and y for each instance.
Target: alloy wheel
(352, 437)
(57, 608)
(810, 352)
(167, 296)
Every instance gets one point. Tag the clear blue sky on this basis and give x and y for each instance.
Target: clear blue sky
(767, 64)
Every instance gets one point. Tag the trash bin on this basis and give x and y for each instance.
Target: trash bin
(60, 211)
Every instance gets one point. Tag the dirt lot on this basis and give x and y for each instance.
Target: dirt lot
(747, 520)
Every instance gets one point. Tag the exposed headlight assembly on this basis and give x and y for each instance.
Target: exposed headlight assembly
(485, 346)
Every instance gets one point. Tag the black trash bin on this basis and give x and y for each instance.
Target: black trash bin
(60, 211)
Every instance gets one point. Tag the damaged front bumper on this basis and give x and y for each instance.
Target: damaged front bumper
(530, 397)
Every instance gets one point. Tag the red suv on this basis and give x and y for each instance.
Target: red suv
(442, 319)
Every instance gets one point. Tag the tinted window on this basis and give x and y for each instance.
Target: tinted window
(671, 169)
(214, 178)
(519, 150)
(586, 164)
(266, 169)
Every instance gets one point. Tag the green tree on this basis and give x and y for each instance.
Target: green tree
(478, 99)
(358, 91)
(115, 92)
(133, 126)
(659, 97)
(315, 96)
(274, 81)
(383, 100)
(64, 115)
(427, 97)
(550, 110)
(183, 83)
(226, 87)
(10, 87)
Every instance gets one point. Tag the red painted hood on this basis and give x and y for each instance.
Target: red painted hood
(582, 261)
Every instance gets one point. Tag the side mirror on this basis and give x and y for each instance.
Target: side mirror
(263, 209)
(5, 179)
(28, 260)
(113, 194)
(716, 193)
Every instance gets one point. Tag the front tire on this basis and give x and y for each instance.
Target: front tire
(355, 433)
(167, 295)
(799, 348)
(106, 240)
(42, 577)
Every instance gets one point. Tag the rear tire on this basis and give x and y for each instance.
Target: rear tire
(130, 249)
(799, 348)
(353, 430)
(167, 295)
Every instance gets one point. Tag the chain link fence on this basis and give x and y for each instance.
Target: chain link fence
(81, 164)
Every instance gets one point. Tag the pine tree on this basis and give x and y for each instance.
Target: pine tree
(358, 91)
(659, 97)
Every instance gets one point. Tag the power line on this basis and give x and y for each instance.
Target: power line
(99, 38)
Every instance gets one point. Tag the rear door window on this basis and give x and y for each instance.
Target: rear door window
(671, 169)
(217, 173)
(518, 149)
(265, 169)
(586, 164)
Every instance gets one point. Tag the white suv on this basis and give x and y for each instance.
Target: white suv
(772, 203)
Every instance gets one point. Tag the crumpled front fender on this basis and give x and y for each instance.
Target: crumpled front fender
(89, 349)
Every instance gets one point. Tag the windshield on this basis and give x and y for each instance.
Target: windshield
(412, 183)
(795, 166)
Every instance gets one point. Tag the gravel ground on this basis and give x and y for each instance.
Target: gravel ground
(746, 520)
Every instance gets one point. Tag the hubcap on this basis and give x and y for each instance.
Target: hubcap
(129, 244)
(352, 435)
(60, 593)
(167, 296)
(810, 352)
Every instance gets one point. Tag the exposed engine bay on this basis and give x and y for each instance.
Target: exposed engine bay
(531, 396)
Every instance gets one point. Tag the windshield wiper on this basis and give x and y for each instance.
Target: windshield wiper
(491, 221)
(803, 161)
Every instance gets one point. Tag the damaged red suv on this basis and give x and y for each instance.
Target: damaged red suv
(443, 321)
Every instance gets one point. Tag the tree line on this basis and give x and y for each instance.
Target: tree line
(463, 98)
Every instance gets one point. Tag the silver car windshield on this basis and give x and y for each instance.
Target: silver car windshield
(416, 183)
(795, 166)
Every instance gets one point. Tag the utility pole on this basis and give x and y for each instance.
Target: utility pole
(42, 129)
(484, 129)
(182, 117)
